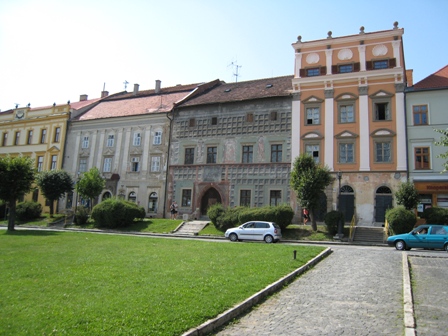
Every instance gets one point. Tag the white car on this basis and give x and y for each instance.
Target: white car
(255, 230)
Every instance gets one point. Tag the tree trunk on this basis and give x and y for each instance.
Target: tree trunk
(12, 215)
(51, 208)
(313, 220)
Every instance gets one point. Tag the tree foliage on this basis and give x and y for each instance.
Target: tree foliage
(443, 142)
(53, 185)
(17, 175)
(90, 184)
(309, 180)
(407, 195)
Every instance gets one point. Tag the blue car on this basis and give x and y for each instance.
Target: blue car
(428, 236)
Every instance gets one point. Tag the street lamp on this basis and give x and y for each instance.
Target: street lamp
(341, 222)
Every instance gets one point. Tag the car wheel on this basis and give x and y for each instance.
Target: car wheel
(233, 237)
(400, 245)
(268, 239)
(446, 247)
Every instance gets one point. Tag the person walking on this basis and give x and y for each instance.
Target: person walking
(173, 210)
(306, 216)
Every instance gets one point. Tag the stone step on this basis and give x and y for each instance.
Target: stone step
(368, 234)
(191, 228)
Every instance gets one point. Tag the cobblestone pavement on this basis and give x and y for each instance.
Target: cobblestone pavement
(354, 291)
(430, 292)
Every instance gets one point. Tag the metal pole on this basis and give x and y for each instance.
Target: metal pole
(341, 222)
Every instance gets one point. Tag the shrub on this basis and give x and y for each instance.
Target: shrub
(436, 215)
(282, 215)
(116, 213)
(228, 219)
(215, 211)
(28, 210)
(400, 220)
(81, 216)
(332, 220)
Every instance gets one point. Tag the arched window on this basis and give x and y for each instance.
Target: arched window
(152, 202)
(132, 197)
(106, 195)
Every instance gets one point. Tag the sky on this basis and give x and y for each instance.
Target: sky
(52, 51)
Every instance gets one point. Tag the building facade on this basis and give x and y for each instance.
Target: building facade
(231, 145)
(348, 112)
(426, 106)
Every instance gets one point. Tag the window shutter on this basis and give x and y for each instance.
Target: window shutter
(302, 73)
(369, 65)
(392, 63)
(323, 70)
(356, 67)
(334, 69)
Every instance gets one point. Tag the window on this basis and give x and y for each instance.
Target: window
(275, 197)
(157, 138)
(82, 165)
(312, 116)
(250, 117)
(110, 140)
(313, 150)
(43, 136)
(192, 122)
(189, 155)
(135, 164)
(30, 137)
(248, 152)
(382, 111)
(186, 197)
(381, 64)
(273, 115)
(211, 154)
(57, 134)
(40, 163)
(214, 121)
(346, 153)
(137, 139)
(54, 161)
(5, 139)
(422, 157)
(107, 166)
(420, 114)
(276, 153)
(17, 139)
(346, 113)
(345, 68)
(245, 198)
(85, 142)
(155, 163)
(383, 151)
(312, 72)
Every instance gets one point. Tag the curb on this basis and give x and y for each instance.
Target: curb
(408, 303)
(247, 304)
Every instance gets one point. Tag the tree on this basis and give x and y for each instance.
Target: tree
(407, 195)
(443, 142)
(309, 180)
(53, 185)
(16, 179)
(90, 185)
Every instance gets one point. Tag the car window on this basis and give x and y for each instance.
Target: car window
(276, 226)
(260, 225)
(438, 230)
(249, 225)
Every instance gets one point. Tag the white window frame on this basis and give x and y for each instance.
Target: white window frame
(107, 165)
(157, 138)
(110, 140)
(82, 165)
(137, 139)
(155, 163)
(135, 164)
(85, 142)
(311, 148)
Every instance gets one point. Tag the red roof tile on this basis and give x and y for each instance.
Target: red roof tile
(437, 80)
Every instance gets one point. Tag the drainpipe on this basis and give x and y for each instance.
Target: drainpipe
(168, 159)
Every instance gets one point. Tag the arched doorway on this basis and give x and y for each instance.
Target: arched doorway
(152, 202)
(211, 197)
(132, 197)
(106, 195)
(347, 203)
(383, 201)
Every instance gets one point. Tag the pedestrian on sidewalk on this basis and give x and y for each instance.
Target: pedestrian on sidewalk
(306, 216)
(173, 210)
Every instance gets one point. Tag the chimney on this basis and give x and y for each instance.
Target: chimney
(409, 77)
(83, 97)
(104, 94)
(158, 82)
(135, 89)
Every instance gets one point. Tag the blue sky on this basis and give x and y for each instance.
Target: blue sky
(55, 50)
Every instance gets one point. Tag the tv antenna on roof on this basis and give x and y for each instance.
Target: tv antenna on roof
(125, 84)
(236, 66)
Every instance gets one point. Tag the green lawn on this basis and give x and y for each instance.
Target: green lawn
(78, 283)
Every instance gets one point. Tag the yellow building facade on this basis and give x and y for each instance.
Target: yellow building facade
(38, 133)
(349, 114)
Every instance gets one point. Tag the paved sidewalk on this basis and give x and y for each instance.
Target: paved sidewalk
(354, 291)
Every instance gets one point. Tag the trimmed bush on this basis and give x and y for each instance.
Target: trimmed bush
(436, 215)
(215, 211)
(332, 220)
(400, 220)
(228, 219)
(81, 215)
(28, 210)
(282, 215)
(115, 213)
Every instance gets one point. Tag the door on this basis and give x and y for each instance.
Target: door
(383, 201)
(211, 197)
(347, 203)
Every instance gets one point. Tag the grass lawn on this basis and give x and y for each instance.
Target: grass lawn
(43, 221)
(78, 283)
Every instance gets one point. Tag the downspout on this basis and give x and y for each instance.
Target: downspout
(168, 159)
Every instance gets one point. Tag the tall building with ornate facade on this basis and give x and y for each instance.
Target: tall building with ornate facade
(348, 112)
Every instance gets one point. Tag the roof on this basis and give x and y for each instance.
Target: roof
(144, 102)
(241, 91)
(437, 80)
(83, 103)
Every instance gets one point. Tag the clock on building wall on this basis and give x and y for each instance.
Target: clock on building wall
(20, 114)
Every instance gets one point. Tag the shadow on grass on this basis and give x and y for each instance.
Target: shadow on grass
(31, 233)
